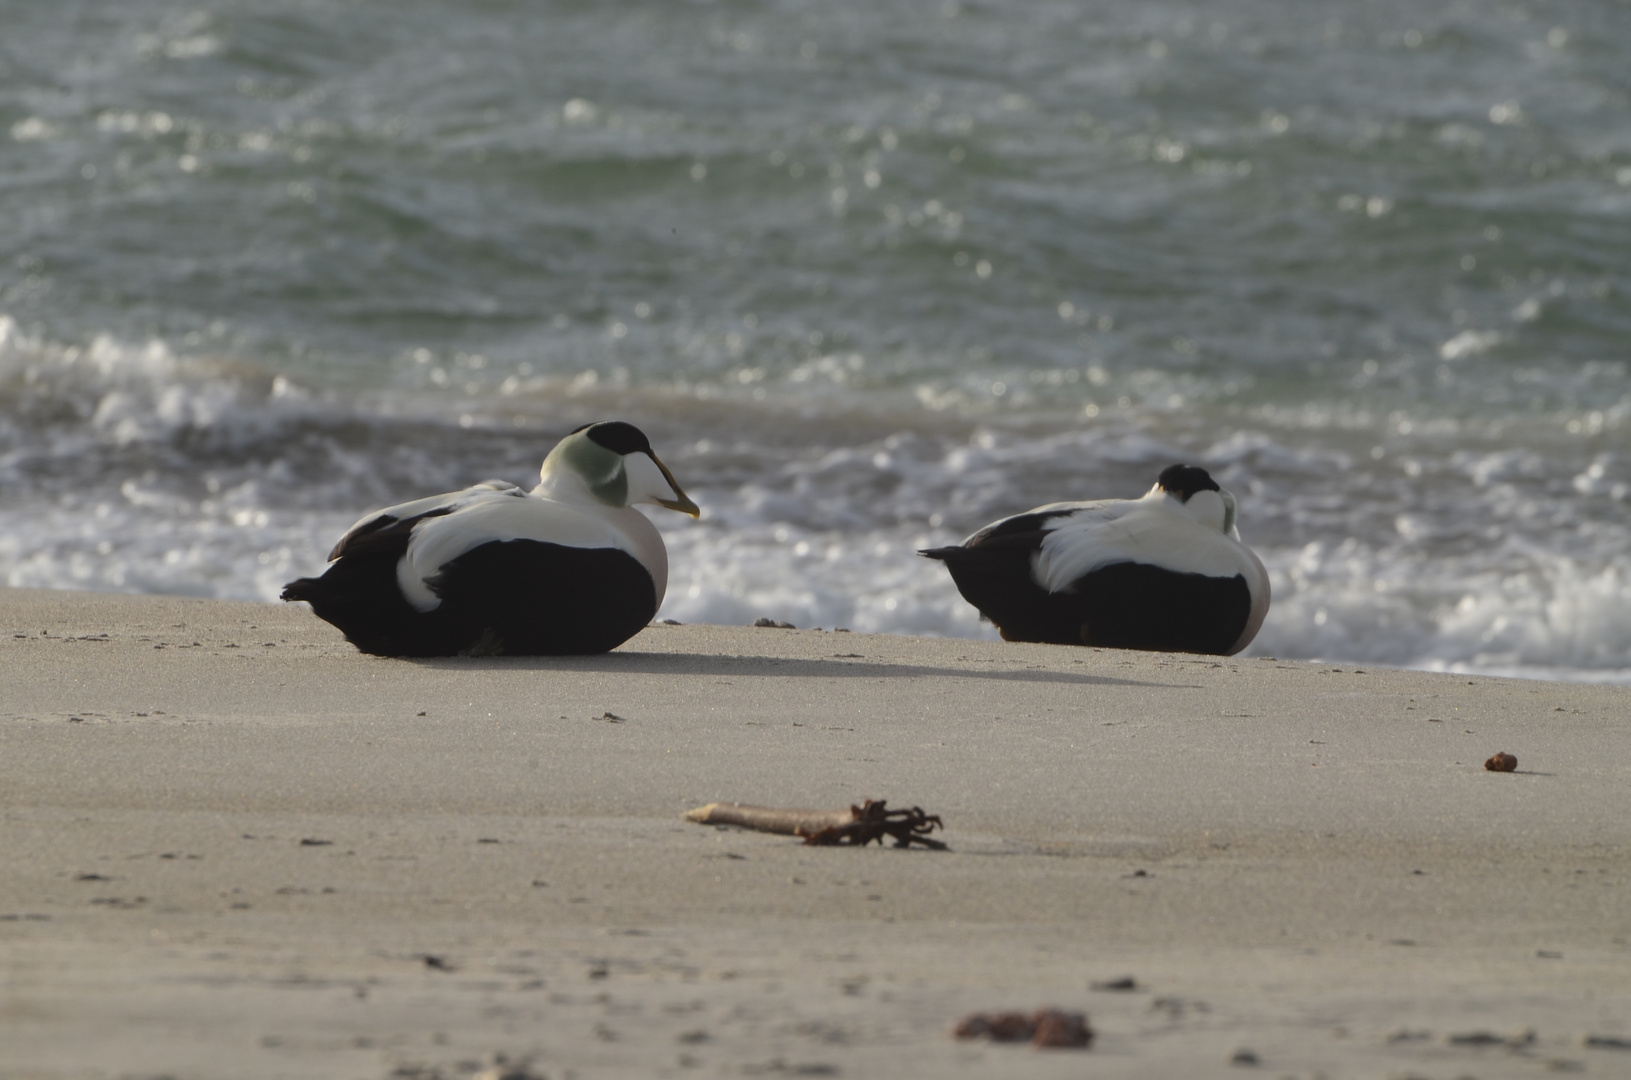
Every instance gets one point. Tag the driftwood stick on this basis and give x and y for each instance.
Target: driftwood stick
(770, 818)
(855, 827)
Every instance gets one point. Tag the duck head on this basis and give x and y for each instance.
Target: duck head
(1200, 496)
(612, 463)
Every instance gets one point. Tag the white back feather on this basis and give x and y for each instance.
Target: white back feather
(485, 489)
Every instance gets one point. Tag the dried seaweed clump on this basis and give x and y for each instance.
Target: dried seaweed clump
(874, 821)
(1046, 1028)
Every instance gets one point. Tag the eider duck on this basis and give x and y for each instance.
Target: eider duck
(568, 567)
(1166, 572)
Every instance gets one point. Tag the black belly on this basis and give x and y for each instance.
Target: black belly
(1123, 606)
(515, 598)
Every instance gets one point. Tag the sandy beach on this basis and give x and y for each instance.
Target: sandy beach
(237, 847)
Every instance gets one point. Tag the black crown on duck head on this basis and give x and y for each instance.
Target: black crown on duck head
(1185, 480)
(618, 436)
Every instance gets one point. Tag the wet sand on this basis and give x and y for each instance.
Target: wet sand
(237, 847)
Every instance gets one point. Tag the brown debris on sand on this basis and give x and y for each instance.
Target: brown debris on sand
(856, 826)
(1502, 762)
(1046, 1028)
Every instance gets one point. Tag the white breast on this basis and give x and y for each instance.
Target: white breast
(1154, 530)
(438, 541)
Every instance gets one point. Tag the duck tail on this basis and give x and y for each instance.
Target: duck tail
(306, 588)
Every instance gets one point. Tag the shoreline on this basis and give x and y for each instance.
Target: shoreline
(234, 838)
(1620, 677)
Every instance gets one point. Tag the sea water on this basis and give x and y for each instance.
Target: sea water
(870, 275)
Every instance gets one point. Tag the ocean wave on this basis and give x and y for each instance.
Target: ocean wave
(1519, 609)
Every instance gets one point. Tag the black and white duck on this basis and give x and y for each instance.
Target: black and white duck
(1166, 572)
(568, 567)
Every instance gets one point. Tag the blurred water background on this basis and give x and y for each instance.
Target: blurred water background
(869, 273)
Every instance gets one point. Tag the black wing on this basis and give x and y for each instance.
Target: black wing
(385, 534)
(998, 541)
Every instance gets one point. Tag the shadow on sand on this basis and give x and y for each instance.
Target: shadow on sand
(837, 666)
